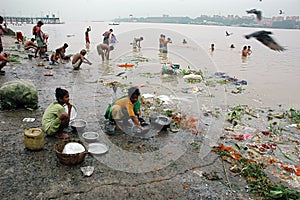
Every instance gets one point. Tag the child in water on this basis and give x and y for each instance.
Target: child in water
(55, 118)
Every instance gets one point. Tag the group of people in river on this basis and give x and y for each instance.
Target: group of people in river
(38, 45)
(56, 117)
(246, 51)
(163, 43)
(118, 113)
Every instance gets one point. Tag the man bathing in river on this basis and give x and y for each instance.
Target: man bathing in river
(79, 58)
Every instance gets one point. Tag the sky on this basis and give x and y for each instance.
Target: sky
(99, 10)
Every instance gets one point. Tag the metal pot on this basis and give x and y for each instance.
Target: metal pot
(160, 122)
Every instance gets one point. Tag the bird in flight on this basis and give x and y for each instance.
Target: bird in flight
(280, 12)
(265, 38)
(258, 13)
(228, 34)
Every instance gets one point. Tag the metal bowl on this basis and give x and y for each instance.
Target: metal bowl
(78, 125)
(73, 112)
(163, 120)
(90, 136)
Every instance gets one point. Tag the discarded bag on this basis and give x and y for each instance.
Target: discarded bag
(18, 93)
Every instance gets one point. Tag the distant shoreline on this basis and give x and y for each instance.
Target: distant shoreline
(281, 22)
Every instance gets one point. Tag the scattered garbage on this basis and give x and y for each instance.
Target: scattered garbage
(70, 35)
(228, 79)
(192, 78)
(88, 170)
(48, 67)
(126, 65)
(171, 69)
(48, 74)
(274, 145)
(41, 64)
(191, 89)
(28, 119)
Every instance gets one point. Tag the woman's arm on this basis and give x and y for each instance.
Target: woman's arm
(136, 122)
(69, 109)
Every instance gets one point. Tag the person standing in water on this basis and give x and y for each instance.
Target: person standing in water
(87, 37)
(249, 51)
(245, 52)
(165, 47)
(39, 37)
(212, 47)
(107, 36)
(161, 42)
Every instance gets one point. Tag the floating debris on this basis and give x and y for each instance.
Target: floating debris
(227, 79)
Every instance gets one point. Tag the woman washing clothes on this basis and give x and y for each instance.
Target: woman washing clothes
(125, 108)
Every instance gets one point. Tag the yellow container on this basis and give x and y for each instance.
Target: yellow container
(34, 138)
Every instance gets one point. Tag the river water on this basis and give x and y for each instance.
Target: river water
(273, 77)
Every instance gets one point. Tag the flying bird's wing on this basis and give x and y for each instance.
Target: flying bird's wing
(265, 38)
(269, 42)
(258, 15)
(251, 11)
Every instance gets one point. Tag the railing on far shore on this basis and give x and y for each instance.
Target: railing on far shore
(32, 20)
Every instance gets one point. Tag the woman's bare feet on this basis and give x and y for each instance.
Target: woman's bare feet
(62, 136)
